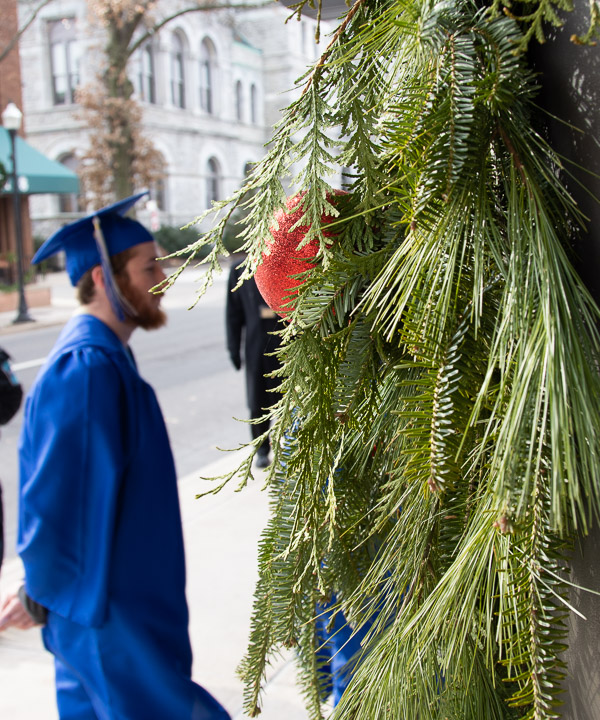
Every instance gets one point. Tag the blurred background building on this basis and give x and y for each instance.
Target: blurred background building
(34, 172)
(210, 84)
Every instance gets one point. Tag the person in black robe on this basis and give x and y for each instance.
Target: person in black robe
(248, 315)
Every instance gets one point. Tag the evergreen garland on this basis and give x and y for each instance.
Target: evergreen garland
(436, 446)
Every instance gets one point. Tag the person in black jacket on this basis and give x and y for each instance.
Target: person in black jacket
(20, 612)
(11, 394)
(247, 314)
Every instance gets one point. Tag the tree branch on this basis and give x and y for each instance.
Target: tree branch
(5, 51)
(195, 8)
(327, 52)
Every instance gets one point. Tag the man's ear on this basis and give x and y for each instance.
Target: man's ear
(98, 276)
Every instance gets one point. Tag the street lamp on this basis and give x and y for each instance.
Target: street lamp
(11, 119)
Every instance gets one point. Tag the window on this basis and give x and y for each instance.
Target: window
(208, 72)
(70, 203)
(177, 71)
(213, 181)
(239, 101)
(158, 193)
(253, 104)
(248, 168)
(348, 176)
(146, 78)
(65, 58)
(156, 204)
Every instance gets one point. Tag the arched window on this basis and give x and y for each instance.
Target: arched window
(248, 168)
(239, 101)
(348, 176)
(208, 76)
(253, 104)
(157, 203)
(213, 181)
(147, 78)
(158, 193)
(65, 58)
(177, 71)
(69, 203)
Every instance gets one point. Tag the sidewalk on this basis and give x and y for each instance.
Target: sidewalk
(221, 534)
(61, 307)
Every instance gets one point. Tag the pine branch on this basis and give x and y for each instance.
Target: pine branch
(534, 619)
(437, 442)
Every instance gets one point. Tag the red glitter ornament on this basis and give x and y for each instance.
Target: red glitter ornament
(273, 275)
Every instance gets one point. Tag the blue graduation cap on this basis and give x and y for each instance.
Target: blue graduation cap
(92, 240)
(83, 244)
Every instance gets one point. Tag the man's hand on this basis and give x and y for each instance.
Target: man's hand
(13, 614)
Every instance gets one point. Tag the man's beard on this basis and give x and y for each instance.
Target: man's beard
(148, 316)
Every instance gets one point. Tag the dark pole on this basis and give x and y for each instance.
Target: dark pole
(23, 313)
(572, 116)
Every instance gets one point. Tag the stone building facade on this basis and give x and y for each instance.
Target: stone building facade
(211, 85)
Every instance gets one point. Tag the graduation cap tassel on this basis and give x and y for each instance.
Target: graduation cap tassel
(121, 306)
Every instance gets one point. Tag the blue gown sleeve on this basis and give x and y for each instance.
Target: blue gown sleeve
(72, 461)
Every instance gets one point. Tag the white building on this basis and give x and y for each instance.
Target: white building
(211, 85)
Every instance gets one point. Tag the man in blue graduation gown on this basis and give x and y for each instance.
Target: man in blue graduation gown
(99, 524)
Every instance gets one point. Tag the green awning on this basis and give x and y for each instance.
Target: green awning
(37, 173)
